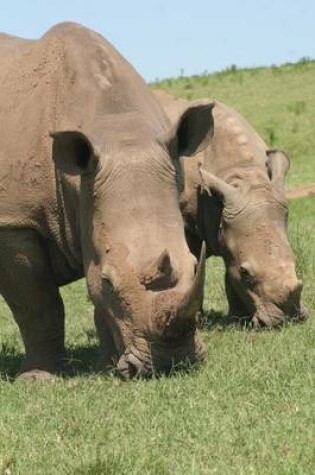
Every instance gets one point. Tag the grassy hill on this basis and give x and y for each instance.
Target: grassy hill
(250, 409)
(278, 101)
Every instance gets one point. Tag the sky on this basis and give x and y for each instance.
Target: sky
(169, 38)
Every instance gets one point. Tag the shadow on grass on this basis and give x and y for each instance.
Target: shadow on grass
(214, 320)
(81, 360)
(217, 320)
(109, 466)
(112, 464)
(10, 362)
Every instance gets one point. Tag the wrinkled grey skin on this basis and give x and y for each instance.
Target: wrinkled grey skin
(90, 180)
(234, 199)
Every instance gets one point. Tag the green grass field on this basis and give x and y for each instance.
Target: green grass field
(279, 102)
(250, 409)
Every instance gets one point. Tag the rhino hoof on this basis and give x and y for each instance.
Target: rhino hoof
(36, 375)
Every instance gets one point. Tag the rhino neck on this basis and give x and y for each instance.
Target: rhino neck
(59, 223)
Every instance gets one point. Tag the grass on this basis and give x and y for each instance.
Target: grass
(250, 409)
(279, 102)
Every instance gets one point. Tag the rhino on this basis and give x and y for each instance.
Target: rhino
(234, 199)
(90, 180)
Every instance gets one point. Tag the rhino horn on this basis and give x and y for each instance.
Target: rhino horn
(227, 192)
(192, 300)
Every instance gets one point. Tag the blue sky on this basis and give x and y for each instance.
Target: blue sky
(164, 38)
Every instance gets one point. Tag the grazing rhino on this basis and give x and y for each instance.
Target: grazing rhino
(244, 219)
(90, 179)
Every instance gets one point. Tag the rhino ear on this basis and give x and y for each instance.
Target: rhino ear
(278, 164)
(72, 152)
(193, 129)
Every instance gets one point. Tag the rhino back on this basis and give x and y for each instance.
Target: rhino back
(235, 145)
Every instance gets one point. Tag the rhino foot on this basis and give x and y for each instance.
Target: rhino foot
(36, 375)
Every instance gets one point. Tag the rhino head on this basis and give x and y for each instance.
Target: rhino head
(141, 277)
(261, 280)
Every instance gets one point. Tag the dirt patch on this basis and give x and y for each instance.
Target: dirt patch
(300, 191)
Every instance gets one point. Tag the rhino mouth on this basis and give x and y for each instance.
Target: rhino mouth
(170, 341)
(133, 364)
(272, 316)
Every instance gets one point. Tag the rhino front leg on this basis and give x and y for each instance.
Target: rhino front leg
(28, 286)
(237, 308)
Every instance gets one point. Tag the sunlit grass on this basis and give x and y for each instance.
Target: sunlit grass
(279, 102)
(249, 409)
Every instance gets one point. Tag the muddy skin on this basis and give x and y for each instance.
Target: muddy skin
(235, 201)
(91, 175)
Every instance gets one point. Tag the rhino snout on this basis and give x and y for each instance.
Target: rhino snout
(287, 297)
(281, 287)
(292, 296)
(294, 288)
(133, 363)
(285, 302)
